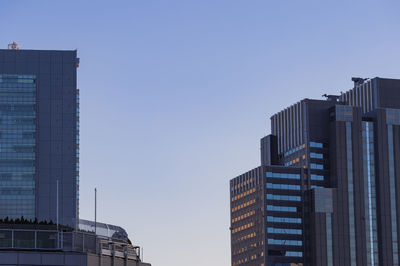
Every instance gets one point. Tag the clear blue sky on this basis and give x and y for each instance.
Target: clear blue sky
(175, 96)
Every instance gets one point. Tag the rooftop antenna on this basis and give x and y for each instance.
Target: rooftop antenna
(57, 205)
(58, 233)
(95, 211)
(13, 46)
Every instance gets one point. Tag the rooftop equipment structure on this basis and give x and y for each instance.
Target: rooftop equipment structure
(13, 46)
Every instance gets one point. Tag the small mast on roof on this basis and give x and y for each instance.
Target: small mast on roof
(13, 46)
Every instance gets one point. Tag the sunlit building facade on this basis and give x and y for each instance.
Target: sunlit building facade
(329, 181)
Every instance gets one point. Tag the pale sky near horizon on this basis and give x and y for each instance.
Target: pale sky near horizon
(175, 96)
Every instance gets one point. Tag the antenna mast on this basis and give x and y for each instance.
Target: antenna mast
(95, 211)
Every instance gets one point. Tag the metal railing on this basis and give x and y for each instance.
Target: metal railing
(31, 239)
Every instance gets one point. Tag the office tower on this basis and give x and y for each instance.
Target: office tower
(39, 168)
(328, 188)
(39, 135)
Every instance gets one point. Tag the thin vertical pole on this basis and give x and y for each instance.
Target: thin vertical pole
(57, 205)
(95, 211)
(76, 212)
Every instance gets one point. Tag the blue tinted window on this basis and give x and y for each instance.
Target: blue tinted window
(283, 175)
(17, 143)
(370, 194)
(284, 242)
(283, 197)
(315, 186)
(292, 150)
(283, 186)
(281, 208)
(273, 230)
(316, 166)
(317, 177)
(316, 145)
(288, 163)
(294, 254)
(350, 187)
(316, 155)
(274, 219)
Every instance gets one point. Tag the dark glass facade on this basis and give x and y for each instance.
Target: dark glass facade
(39, 135)
(371, 226)
(331, 180)
(17, 145)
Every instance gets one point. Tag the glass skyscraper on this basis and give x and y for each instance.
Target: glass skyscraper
(328, 188)
(39, 168)
(39, 135)
(17, 145)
